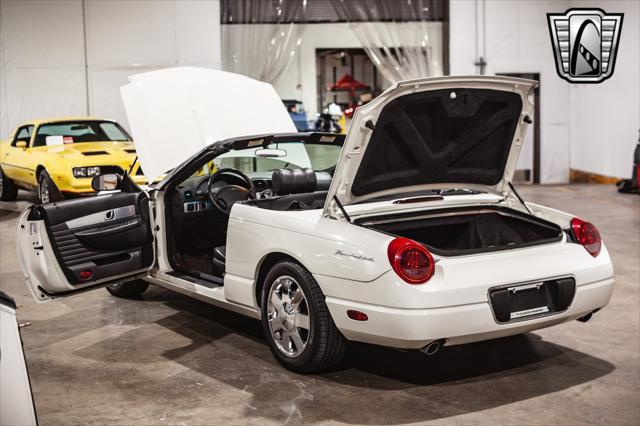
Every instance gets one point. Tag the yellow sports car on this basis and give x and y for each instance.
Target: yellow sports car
(59, 157)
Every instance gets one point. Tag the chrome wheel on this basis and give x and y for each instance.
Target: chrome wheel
(288, 316)
(44, 190)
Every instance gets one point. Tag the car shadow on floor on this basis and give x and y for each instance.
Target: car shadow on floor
(139, 344)
(375, 385)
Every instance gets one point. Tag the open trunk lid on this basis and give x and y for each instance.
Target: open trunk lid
(434, 133)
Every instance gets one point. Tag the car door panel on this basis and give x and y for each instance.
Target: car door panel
(93, 241)
(120, 235)
(16, 161)
(12, 164)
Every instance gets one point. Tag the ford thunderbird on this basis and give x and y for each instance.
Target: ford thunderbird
(408, 233)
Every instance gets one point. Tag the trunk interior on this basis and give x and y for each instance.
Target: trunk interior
(454, 232)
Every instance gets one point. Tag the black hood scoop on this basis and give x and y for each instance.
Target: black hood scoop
(91, 153)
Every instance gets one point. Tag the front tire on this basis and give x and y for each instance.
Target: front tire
(8, 189)
(46, 188)
(296, 321)
(128, 290)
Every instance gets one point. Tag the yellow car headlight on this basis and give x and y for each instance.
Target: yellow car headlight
(82, 172)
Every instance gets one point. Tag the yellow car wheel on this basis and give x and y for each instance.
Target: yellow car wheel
(47, 190)
(8, 189)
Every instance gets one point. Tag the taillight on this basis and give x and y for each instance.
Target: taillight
(357, 315)
(587, 235)
(411, 261)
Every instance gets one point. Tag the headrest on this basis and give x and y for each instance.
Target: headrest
(298, 181)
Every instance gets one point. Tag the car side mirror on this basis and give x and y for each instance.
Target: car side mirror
(106, 182)
(21, 144)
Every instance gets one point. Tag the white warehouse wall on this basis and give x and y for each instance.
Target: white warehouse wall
(605, 117)
(41, 61)
(517, 40)
(42, 52)
(592, 127)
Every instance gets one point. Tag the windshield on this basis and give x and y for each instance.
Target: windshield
(79, 131)
(289, 155)
(294, 107)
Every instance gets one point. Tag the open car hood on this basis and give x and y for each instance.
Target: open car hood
(174, 113)
(434, 133)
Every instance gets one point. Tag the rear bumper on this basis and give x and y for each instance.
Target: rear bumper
(415, 328)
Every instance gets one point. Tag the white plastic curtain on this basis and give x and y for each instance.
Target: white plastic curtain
(262, 51)
(397, 53)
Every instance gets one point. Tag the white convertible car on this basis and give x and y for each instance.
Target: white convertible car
(407, 234)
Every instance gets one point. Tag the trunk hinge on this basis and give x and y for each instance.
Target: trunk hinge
(341, 207)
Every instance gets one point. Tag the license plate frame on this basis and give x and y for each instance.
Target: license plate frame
(528, 300)
(521, 302)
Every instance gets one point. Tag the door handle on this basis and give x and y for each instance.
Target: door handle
(109, 230)
(110, 215)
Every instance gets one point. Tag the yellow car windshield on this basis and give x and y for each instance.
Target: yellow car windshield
(82, 131)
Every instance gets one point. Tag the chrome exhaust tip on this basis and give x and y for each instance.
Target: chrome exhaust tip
(585, 318)
(433, 347)
(588, 316)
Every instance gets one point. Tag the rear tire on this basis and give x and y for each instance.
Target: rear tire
(294, 310)
(8, 189)
(128, 290)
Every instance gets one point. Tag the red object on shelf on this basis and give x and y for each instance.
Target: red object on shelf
(348, 83)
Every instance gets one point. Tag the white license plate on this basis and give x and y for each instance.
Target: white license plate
(532, 311)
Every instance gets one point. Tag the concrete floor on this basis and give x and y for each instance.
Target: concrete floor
(168, 359)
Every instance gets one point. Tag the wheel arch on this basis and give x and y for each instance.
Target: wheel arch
(51, 167)
(265, 264)
(55, 193)
(39, 169)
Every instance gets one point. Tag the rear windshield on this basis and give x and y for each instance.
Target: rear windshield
(78, 132)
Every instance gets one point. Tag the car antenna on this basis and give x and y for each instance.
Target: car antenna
(513, 188)
(341, 207)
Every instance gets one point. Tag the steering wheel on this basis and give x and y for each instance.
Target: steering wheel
(224, 195)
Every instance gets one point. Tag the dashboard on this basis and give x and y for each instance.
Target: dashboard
(194, 191)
